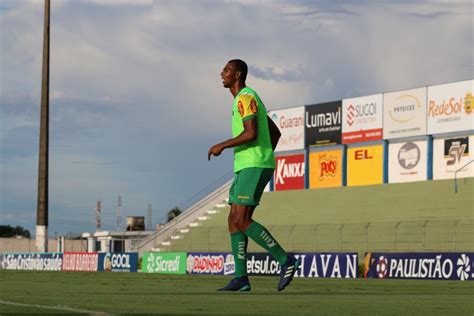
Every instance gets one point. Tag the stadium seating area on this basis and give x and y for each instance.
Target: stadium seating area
(418, 216)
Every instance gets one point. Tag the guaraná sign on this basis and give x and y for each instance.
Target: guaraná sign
(291, 125)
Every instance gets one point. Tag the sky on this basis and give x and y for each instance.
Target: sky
(136, 97)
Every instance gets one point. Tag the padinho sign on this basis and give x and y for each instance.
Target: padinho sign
(289, 172)
(210, 263)
(365, 165)
(80, 261)
(407, 162)
(32, 261)
(164, 262)
(450, 155)
(323, 124)
(325, 169)
(291, 125)
(450, 107)
(404, 113)
(422, 265)
(118, 262)
(362, 119)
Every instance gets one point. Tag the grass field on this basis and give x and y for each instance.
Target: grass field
(140, 293)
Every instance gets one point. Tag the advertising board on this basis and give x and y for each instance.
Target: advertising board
(452, 154)
(313, 265)
(420, 265)
(404, 113)
(289, 172)
(365, 165)
(362, 119)
(407, 162)
(325, 169)
(450, 107)
(118, 262)
(323, 124)
(164, 262)
(210, 263)
(80, 261)
(32, 261)
(291, 125)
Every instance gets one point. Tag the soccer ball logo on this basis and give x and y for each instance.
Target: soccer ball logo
(464, 267)
(382, 265)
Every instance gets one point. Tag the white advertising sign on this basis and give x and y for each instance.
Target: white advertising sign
(407, 162)
(404, 113)
(450, 155)
(450, 107)
(291, 125)
(362, 119)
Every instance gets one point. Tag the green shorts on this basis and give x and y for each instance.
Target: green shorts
(248, 185)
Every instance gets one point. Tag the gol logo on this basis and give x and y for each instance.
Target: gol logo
(362, 154)
(327, 167)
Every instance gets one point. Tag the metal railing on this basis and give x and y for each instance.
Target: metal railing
(456, 176)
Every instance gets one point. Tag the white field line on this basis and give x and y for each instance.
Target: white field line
(58, 307)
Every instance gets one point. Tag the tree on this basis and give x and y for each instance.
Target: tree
(8, 231)
(173, 213)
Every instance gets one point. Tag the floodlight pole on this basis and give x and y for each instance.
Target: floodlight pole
(43, 163)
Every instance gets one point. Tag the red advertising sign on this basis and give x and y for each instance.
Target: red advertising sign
(80, 261)
(289, 172)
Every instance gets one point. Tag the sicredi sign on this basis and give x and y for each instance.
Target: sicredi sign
(289, 172)
(291, 125)
(407, 162)
(404, 113)
(450, 107)
(450, 155)
(362, 119)
(164, 262)
(323, 124)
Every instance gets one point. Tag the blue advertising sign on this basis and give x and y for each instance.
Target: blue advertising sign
(313, 265)
(118, 262)
(420, 265)
(210, 263)
(32, 261)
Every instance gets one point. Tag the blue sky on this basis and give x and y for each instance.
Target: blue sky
(136, 97)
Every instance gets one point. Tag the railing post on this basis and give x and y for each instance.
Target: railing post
(292, 237)
(340, 236)
(315, 240)
(455, 234)
(396, 236)
(424, 234)
(366, 236)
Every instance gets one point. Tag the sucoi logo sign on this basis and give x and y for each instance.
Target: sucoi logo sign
(354, 112)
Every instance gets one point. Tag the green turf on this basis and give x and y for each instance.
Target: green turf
(126, 293)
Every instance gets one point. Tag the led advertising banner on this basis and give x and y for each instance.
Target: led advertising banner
(118, 262)
(164, 262)
(420, 265)
(323, 124)
(32, 261)
(289, 172)
(313, 265)
(80, 261)
(451, 154)
(404, 113)
(407, 162)
(362, 119)
(365, 165)
(210, 263)
(291, 125)
(450, 107)
(325, 169)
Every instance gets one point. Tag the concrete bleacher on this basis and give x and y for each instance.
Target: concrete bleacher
(419, 216)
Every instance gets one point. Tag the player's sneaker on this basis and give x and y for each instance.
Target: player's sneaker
(237, 284)
(288, 271)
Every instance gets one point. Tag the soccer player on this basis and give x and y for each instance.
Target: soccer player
(255, 137)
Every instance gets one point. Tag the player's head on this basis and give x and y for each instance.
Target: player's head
(234, 71)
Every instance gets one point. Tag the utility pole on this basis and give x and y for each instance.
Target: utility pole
(43, 164)
(118, 224)
(149, 220)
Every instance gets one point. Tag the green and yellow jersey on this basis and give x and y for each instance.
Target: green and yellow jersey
(258, 153)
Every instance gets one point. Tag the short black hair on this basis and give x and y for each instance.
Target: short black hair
(241, 66)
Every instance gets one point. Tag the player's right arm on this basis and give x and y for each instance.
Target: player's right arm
(275, 133)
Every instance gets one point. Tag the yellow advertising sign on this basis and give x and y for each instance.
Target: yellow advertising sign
(365, 165)
(325, 169)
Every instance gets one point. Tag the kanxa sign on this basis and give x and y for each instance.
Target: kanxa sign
(118, 262)
(210, 263)
(423, 265)
(31, 261)
(313, 265)
(323, 124)
(289, 172)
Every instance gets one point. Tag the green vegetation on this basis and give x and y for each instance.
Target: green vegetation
(128, 293)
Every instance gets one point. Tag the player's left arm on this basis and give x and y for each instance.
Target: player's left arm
(250, 133)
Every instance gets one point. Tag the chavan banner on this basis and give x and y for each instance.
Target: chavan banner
(420, 265)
